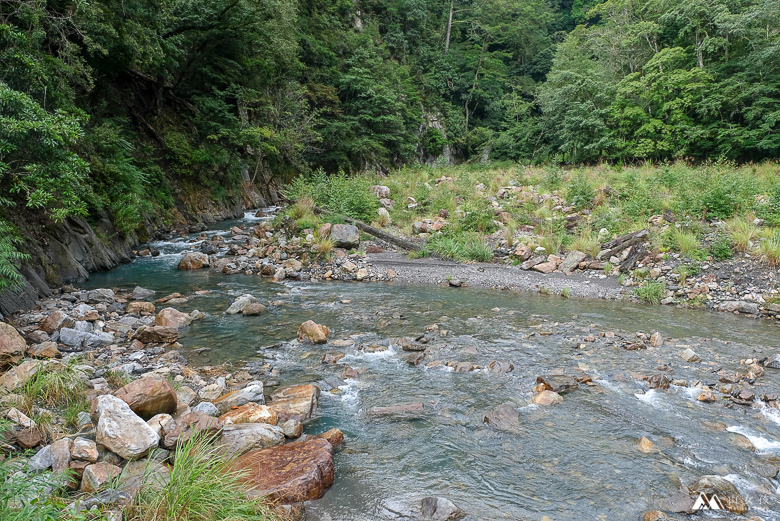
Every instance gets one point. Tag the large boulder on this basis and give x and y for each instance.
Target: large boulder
(102, 295)
(315, 333)
(156, 334)
(250, 413)
(727, 493)
(345, 235)
(44, 350)
(170, 317)
(194, 260)
(300, 471)
(236, 440)
(121, 430)
(12, 345)
(439, 509)
(56, 321)
(139, 307)
(295, 403)
(238, 305)
(149, 396)
(251, 393)
(97, 476)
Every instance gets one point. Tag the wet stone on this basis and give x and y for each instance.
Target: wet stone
(560, 384)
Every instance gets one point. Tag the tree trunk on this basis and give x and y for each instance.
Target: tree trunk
(376, 232)
(449, 29)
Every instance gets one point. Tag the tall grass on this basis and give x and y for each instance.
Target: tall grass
(651, 292)
(770, 249)
(743, 232)
(461, 247)
(203, 487)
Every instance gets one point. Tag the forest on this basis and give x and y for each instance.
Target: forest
(119, 107)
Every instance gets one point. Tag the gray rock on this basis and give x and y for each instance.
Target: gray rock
(773, 362)
(253, 392)
(742, 306)
(81, 339)
(140, 293)
(345, 235)
(244, 437)
(690, 356)
(83, 419)
(129, 368)
(42, 460)
(439, 509)
(571, 261)
(101, 295)
(292, 428)
(504, 418)
(238, 305)
(121, 431)
(206, 408)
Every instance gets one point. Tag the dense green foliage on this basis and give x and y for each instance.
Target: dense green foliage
(116, 108)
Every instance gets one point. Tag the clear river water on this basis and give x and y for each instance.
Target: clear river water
(574, 461)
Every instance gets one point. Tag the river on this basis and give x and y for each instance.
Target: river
(574, 461)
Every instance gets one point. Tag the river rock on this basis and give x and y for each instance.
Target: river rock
(56, 321)
(189, 424)
(251, 393)
(645, 445)
(207, 408)
(19, 418)
(558, 383)
(140, 293)
(239, 303)
(156, 334)
(162, 424)
(655, 515)
(121, 430)
(139, 307)
(102, 295)
(315, 333)
(658, 381)
(407, 410)
(772, 361)
(706, 396)
(297, 403)
(12, 345)
(211, 392)
(97, 475)
(42, 460)
(236, 440)
(504, 418)
(19, 375)
(727, 493)
(60, 453)
(84, 450)
(292, 428)
(690, 356)
(324, 230)
(439, 509)
(29, 438)
(332, 357)
(548, 398)
(334, 436)
(44, 350)
(149, 396)
(147, 473)
(194, 260)
(345, 236)
(254, 309)
(250, 413)
(171, 317)
(497, 366)
(571, 261)
(299, 471)
(751, 308)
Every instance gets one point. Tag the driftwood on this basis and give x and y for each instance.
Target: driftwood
(637, 253)
(615, 246)
(376, 232)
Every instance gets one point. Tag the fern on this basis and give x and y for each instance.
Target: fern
(9, 256)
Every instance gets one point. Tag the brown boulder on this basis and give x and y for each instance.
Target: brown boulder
(254, 309)
(12, 345)
(170, 317)
(315, 333)
(29, 438)
(334, 436)
(299, 471)
(295, 403)
(44, 350)
(498, 366)
(156, 334)
(250, 413)
(194, 260)
(727, 493)
(56, 321)
(140, 307)
(149, 396)
(97, 475)
(504, 418)
(548, 398)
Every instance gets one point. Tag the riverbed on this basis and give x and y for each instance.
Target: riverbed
(577, 460)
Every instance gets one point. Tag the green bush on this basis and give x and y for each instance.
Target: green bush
(651, 292)
(478, 219)
(349, 196)
(580, 192)
(461, 247)
(721, 248)
(433, 142)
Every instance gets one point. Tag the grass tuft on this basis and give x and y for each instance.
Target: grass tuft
(651, 292)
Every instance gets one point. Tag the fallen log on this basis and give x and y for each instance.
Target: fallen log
(637, 253)
(615, 246)
(376, 232)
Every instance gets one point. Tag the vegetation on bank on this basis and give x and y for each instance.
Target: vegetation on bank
(110, 109)
(714, 210)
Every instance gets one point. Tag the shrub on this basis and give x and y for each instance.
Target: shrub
(203, 487)
(580, 192)
(742, 233)
(349, 196)
(478, 219)
(651, 292)
(721, 248)
(461, 247)
(433, 142)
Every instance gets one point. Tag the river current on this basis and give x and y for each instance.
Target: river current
(574, 461)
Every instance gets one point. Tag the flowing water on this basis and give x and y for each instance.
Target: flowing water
(574, 461)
